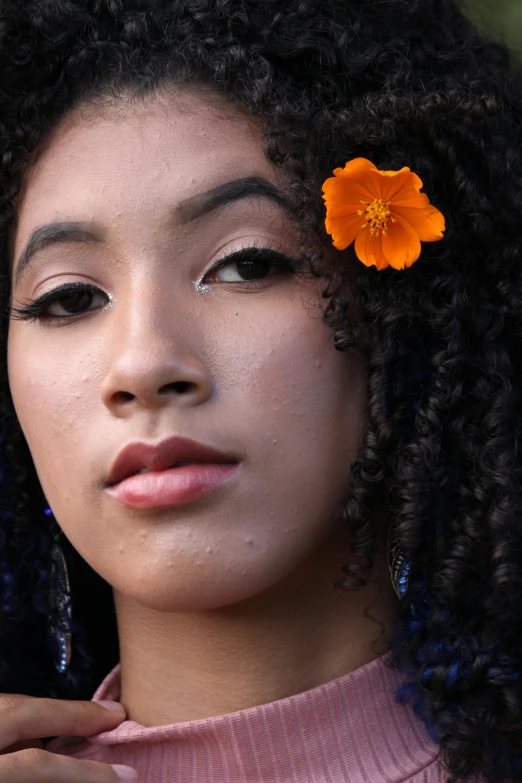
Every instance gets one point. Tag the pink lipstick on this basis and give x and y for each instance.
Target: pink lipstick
(177, 471)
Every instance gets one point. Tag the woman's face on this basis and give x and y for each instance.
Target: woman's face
(134, 202)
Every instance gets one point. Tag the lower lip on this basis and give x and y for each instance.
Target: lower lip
(173, 487)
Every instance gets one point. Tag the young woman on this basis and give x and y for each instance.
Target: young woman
(269, 254)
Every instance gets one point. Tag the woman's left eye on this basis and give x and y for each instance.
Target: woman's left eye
(249, 265)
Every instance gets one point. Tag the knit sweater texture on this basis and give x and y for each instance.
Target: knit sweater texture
(348, 730)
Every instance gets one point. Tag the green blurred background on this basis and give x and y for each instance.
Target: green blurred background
(501, 18)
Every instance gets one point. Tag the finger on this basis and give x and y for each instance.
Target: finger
(39, 766)
(28, 717)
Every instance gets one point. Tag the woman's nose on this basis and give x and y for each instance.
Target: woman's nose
(155, 369)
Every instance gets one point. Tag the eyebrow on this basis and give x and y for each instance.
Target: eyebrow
(197, 206)
(53, 234)
(185, 212)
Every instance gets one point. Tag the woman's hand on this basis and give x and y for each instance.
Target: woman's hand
(25, 719)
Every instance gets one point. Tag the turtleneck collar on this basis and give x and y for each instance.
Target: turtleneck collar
(349, 730)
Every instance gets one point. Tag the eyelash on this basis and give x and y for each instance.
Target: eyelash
(32, 311)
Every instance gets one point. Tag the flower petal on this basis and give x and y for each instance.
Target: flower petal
(368, 249)
(420, 201)
(344, 230)
(410, 192)
(343, 197)
(387, 185)
(392, 173)
(429, 223)
(355, 166)
(401, 245)
(344, 190)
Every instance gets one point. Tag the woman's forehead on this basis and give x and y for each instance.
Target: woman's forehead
(136, 158)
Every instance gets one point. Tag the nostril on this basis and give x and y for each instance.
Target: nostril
(124, 396)
(180, 387)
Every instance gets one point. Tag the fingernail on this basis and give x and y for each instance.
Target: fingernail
(125, 773)
(113, 706)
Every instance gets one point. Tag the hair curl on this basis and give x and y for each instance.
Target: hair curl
(402, 82)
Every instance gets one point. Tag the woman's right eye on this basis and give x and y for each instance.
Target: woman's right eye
(60, 304)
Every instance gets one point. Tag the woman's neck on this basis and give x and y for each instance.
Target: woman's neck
(293, 637)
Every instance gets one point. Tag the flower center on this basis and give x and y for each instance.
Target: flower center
(377, 215)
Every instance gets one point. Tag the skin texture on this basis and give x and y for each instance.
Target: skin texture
(239, 581)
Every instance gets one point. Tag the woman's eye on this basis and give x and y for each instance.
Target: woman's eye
(73, 303)
(250, 265)
(240, 271)
(61, 304)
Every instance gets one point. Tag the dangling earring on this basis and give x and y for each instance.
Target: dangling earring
(60, 606)
(398, 565)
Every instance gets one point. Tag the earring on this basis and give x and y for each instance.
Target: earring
(60, 616)
(398, 565)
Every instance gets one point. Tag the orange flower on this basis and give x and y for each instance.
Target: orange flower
(382, 211)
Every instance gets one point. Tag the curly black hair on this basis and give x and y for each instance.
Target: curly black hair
(401, 82)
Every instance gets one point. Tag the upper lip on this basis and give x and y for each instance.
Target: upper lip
(161, 456)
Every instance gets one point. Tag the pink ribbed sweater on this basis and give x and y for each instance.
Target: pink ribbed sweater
(349, 730)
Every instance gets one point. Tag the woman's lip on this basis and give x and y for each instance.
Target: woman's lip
(172, 487)
(162, 456)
